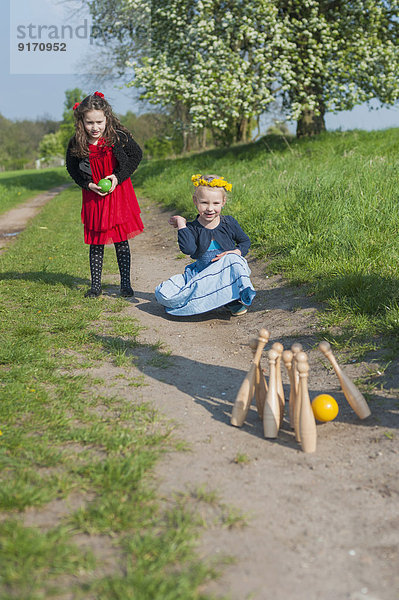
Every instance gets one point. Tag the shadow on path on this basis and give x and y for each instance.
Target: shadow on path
(214, 387)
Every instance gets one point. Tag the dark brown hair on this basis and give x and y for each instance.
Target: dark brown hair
(80, 145)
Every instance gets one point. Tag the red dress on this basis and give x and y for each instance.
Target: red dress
(116, 216)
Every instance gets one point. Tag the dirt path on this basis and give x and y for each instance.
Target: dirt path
(319, 527)
(15, 220)
(322, 526)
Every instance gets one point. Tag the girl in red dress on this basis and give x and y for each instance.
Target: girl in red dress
(102, 148)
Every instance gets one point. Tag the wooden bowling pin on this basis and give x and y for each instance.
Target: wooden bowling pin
(307, 423)
(271, 415)
(280, 389)
(247, 389)
(295, 349)
(260, 383)
(353, 395)
(287, 360)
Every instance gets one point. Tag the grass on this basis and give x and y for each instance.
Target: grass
(241, 458)
(74, 453)
(18, 186)
(323, 212)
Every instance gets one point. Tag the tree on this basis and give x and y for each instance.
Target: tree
(210, 61)
(278, 128)
(153, 129)
(19, 141)
(67, 126)
(51, 146)
(219, 63)
(336, 54)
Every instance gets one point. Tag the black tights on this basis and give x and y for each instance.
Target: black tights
(96, 264)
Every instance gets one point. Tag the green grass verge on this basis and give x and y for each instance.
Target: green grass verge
(18, 186)
(78, 512)
(324, 211)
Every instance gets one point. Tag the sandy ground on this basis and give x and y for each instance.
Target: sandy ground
(322, 526)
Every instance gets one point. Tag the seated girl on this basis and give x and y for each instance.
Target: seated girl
(220, 274)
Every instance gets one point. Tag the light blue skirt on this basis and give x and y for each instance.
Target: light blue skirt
(206, 285)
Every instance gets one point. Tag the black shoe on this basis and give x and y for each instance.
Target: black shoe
(127, 292)
(93, 293)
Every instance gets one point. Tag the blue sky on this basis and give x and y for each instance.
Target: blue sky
(31, 95)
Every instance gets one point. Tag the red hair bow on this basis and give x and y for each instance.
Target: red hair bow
(101, 95)
(75, 106)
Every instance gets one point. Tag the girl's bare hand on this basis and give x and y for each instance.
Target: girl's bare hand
(97, 190)
(177, 221)
(114, 182)
(219, 256)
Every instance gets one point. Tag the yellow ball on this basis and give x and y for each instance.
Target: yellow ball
(325, 407)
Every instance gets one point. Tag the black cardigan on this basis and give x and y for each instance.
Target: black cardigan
(126, 151)
(194, 239)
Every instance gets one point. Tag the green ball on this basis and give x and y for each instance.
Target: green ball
(105, 184)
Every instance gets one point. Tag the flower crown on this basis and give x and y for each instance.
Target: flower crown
(210, 181)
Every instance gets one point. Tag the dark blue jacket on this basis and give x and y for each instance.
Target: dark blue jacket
(194, 239)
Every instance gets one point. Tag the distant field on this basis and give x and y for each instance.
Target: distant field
(324, 211)
(18, 186)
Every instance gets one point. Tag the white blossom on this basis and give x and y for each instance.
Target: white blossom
(220, 65)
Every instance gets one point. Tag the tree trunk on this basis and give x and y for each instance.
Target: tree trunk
(242, 128)
(203, 142)
(186, 141)
(180, 114)
(310, 124)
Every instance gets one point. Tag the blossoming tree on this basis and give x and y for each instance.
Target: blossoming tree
(211, 61)
(220, 63)
(336, 54)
